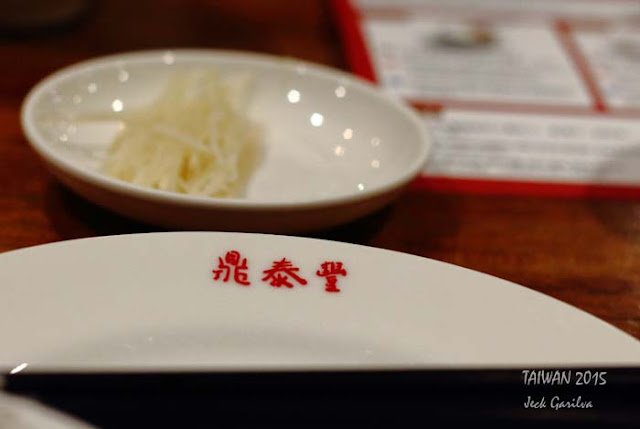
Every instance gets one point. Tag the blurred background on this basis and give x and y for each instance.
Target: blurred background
(560, 219)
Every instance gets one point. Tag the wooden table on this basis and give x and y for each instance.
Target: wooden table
(584, 252)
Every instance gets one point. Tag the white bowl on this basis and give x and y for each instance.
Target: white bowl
(335, 147)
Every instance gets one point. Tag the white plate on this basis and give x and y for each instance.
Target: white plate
(23, 413)
(150, 301)
(335, 147)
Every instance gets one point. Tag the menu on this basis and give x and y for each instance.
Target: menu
(519, 96)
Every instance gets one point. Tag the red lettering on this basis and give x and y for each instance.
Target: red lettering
(233, 263)
(281, 272)
(330, 270)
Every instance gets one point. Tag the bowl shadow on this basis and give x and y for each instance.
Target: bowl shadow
(72, 216)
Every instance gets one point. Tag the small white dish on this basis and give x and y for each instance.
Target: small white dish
(152, 302)
(335, 147)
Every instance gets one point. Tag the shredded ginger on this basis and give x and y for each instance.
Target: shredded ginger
(193, 139)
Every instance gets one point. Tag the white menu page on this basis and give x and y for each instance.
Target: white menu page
(534, 147)
(420, 60)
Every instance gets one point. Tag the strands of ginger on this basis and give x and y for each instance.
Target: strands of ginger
(193, 139)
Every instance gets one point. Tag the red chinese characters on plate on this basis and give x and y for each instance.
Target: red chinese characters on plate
(281, 273)
(235, 264)
(234, 268)
(330, 270)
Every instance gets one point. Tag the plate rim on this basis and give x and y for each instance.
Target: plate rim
(622, 340)
(346, 245)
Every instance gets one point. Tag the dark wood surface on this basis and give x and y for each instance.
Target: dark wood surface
(584, 252)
